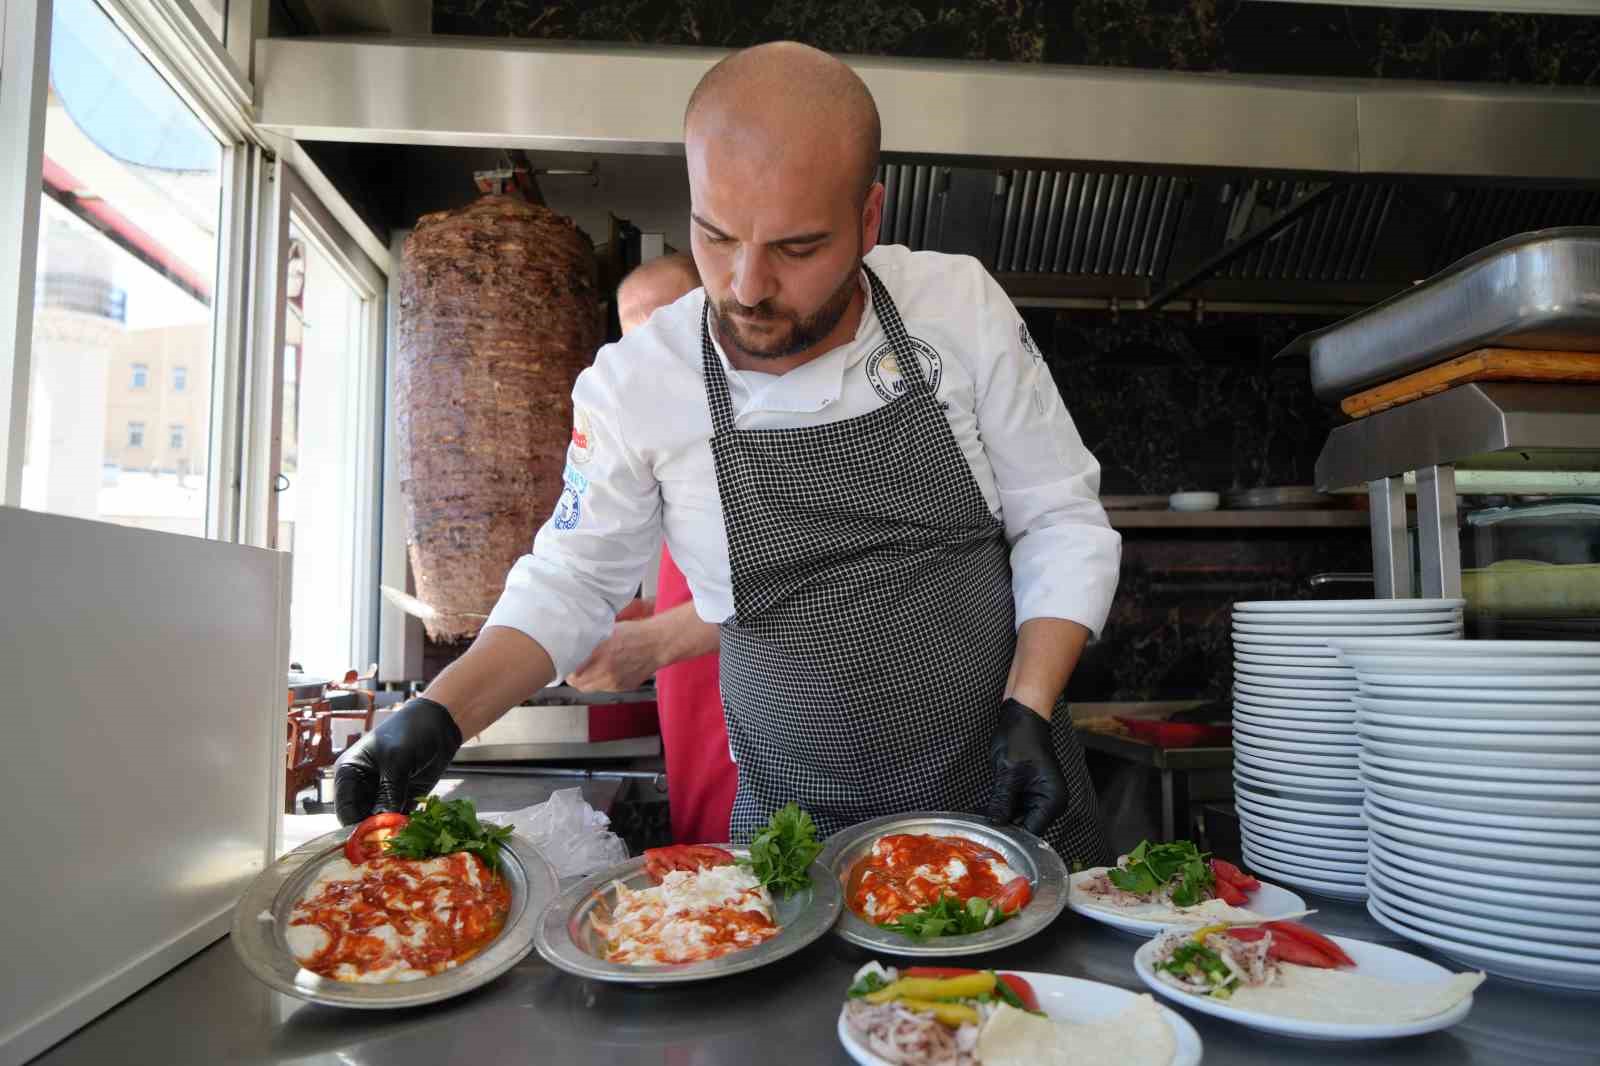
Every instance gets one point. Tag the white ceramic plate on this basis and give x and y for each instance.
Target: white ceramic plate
(1530, 653)
(1514, 671)
(1518, 967)
(1316, 863)
(1291, 678)
(1580, 832)
(1483, 756)
(1385, 629)
(1324, 772)
(1304, 690)
(1374, 960)
(1254, 738)
(1323, 787)
(1545, 734)
(1484, 938)
(1065, 999)
(1253, 813)
(1300, 647)
(1296, 872)
(1434, 688)
(1336, 619)
(1459, 715)
(1351, 606)
(1271, 824)
(1458, 840)
(1502, 921)
(1287, 703)
(1284, 751)
(1311, 666)
(1488, 801)
(1403, 857)
(1269, 901)
(1289, 730)
(1578, 881)
(1556, 911)
(1329, 730)
(1295, 841)
(1340, 890)
(1334, 807)
(1566, 784)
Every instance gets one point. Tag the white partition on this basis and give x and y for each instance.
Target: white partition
(141, 745)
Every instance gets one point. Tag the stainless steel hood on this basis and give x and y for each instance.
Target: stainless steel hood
(616, 98)
(1076, 186)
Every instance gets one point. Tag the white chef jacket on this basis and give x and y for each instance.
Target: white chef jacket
(640, 462)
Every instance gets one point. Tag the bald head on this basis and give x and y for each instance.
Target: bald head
(654, 284)
(789, 95)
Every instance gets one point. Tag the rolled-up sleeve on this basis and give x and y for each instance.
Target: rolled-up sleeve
(1065, 556)
(588, 558)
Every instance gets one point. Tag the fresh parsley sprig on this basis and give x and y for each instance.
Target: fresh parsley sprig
(782, 852)
(1150, 866)
(442, 827)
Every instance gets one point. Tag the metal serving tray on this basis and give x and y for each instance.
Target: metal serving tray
(1538, 290)
(264, 910)
(1023, 852)
(567, 939)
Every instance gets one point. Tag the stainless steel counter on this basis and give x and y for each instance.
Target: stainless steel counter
(211, 1011)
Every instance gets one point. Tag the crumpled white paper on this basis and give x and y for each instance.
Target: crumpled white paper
(572, 836)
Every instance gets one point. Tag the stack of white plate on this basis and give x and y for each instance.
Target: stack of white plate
(1296, 776)
(1481, 761)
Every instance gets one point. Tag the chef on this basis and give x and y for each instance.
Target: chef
(675, 644)
(863, 468)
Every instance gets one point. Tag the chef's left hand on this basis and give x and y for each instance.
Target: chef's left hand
(623, 660)
(1029, 787)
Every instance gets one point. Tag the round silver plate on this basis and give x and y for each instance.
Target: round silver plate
(264, 911)
(567, 940)
(1023, 852)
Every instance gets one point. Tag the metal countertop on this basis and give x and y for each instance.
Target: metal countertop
(210, 1010)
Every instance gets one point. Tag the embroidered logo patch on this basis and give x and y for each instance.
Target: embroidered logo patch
(1027, 340)
(582, 437)
(883, 369)
(569, 509)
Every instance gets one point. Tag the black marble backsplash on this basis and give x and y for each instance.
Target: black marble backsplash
(1242, 36)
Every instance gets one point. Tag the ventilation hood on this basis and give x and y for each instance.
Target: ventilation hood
(1077, 186)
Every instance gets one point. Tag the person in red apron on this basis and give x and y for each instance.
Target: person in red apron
(881, 496)
(674, 645)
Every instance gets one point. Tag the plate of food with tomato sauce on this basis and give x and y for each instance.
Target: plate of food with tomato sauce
(938, 885)
(398, 911)
(1160, 885)
(691, 912)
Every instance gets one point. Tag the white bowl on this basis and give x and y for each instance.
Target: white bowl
(1194, 501)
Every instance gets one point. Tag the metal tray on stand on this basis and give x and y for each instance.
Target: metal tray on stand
(1537, 290)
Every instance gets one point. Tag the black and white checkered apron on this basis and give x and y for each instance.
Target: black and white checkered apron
(874, 624)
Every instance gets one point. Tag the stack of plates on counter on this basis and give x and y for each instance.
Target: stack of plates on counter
(1297, 786)
(1481, 761)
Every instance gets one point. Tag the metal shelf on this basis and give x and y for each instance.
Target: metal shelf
(1262, 519)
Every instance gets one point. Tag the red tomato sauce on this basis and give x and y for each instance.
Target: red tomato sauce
(889, 874)
(387, 893)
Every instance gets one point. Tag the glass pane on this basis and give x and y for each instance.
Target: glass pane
(317, 505)
(119, 410)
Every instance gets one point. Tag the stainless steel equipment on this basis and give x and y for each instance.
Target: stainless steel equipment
(1538, 290)
(1499, 431)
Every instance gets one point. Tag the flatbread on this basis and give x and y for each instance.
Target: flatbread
(1342, 997)
(1139, 1036)
(1207, 912)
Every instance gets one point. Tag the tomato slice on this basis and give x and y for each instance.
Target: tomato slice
(1014, 895)
(1224, 870)
(658, 862)
(1248, 933)
(366, 840)
(1022, 989)
(1307, 935)
(1229, 893)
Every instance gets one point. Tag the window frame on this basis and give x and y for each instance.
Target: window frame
(139, 376)
(135, 434)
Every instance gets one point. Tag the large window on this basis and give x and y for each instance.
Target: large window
(126, 269)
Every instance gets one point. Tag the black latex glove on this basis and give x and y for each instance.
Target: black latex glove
(396, 763)
(1029, 787)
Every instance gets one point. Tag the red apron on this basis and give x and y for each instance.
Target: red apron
(701, 778)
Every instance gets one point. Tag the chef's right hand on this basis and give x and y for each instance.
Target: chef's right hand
(396, 763)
